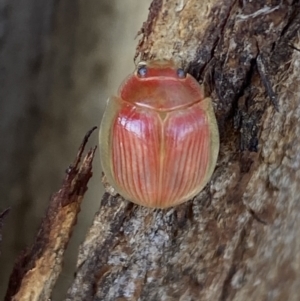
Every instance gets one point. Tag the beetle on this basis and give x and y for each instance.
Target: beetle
(159, 138)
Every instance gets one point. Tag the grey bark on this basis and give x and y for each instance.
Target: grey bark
(239, 238)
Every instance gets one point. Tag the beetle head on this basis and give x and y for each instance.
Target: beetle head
(159, 68)
(160, 85)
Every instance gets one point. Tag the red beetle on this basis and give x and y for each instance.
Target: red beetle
(159, 137)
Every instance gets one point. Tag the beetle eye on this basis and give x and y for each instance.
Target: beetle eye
(142, 71)
(181, 73)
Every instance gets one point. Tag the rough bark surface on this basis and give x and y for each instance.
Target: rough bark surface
(239, 238)
(37, 269)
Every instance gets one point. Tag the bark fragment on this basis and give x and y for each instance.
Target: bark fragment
(37, 269)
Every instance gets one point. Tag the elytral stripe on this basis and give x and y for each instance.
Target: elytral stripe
(136, 142)
(186, 153)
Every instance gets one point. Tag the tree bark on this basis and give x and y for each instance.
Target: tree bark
(239, 239)
(37, 268)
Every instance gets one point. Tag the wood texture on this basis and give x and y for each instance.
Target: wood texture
(239, 239)
(37, 269)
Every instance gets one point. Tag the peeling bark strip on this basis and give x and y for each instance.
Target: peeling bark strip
(240, 238)
(3, 214)
(37, 269)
